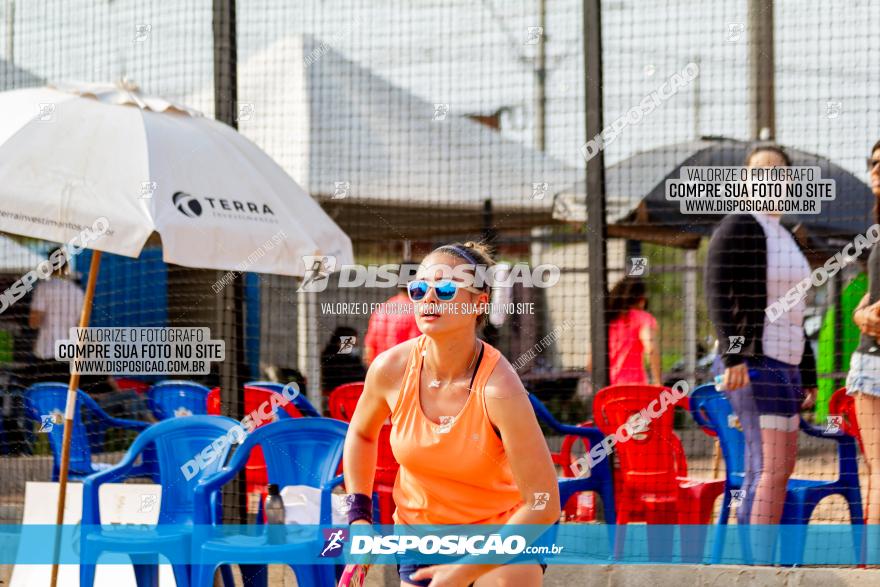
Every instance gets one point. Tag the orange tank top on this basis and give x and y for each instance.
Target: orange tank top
(455, 472)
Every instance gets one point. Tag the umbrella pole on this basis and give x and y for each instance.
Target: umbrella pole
(69, 411)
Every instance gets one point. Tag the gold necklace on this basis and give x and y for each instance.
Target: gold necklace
(436, 382)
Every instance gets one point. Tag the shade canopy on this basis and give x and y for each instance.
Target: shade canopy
(380, 157)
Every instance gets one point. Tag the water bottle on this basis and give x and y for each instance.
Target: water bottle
(719, 379)
(274, 508)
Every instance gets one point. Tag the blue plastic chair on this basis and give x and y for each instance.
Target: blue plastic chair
(710, 409)
(171, 399)
(301, 451)
(599, 479)
(43, 400)
(301, 402)
(174, 442)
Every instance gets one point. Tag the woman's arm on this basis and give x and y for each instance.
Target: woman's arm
(867, 317)
(647, 337)
(511, 413)
(361, 442)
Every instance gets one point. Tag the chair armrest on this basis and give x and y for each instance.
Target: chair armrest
(333, 483)
(847, 451)
(91, 512)
(128, 424)
(591, 433)
(698, 417)
(305, 407)
(819, 432)
(326, 515)
(203, 500)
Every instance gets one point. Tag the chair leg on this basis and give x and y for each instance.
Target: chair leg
(182, 574)
(721, 528)
(857, 519)
(316, 575)
(692, 527)
(254, 575)
(619, 539)
(226, 575)
(794, 523)
(203, 575)
(606, 494)
(146, 569)
(87, 575)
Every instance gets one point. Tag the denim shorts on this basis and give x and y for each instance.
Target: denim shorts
(864, 374)
(776, 387)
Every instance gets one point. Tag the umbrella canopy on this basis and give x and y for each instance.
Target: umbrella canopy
(637, 208)
(72, 154)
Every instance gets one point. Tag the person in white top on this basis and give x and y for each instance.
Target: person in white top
(769, 374)
(55, 309)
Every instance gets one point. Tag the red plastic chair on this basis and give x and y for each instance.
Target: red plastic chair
(135, 385)
(577, 509)
(844, 406)
(342, 402)
(254, 398)
(651, 480)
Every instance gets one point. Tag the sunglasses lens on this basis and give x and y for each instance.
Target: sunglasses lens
(418, 290)
(445, 290)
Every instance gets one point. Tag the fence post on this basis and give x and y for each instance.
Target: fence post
(231, 302)
(595, 192)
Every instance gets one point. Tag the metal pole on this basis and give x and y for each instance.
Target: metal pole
(690, 316)
(596, 227)
(231, 302)
(541, 82)
(761, 69)
(697, 104)
(10, 32)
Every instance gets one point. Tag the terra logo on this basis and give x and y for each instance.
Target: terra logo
(334, 540)
(187, 204)
(192, 207)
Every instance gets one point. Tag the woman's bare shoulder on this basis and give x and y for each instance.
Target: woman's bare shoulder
(388, 369)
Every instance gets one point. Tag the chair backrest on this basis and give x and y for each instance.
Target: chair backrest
(303, 451)
(171, 399)
(343, 400)
(303, 405)
(257, 400)
(843, 406)
(213, 402)
(711, 410)
(254, 398)
(648, 457)
(183, 449)
(129, 384)
(48, 400)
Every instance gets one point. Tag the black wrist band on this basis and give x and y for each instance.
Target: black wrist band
(361, 508)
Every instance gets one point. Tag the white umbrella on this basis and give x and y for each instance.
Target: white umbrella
(70, 156)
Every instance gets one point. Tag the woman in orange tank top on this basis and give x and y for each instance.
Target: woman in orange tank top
(463, 430)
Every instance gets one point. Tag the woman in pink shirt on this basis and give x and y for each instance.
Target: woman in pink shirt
(632, 334)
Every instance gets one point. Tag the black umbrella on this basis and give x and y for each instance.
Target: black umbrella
(637, 209)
